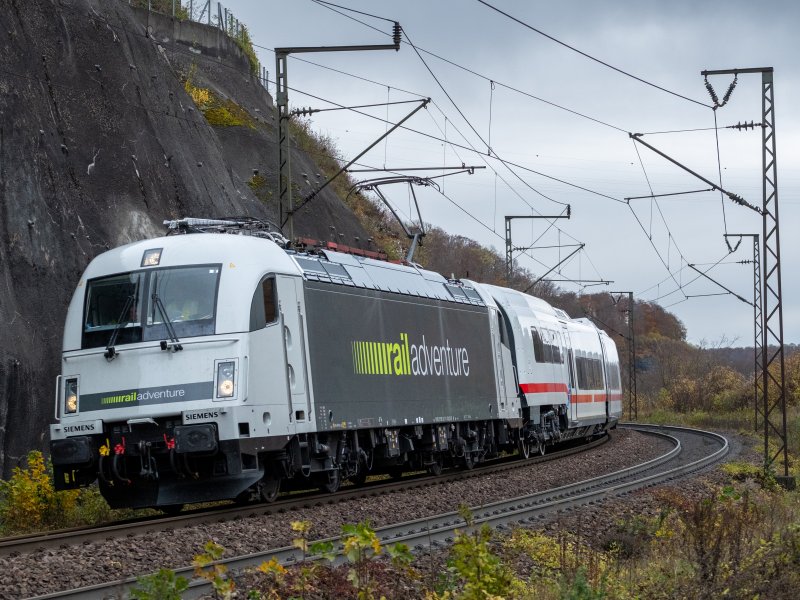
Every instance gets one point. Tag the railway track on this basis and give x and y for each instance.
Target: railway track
(56, 539)
(692, 450)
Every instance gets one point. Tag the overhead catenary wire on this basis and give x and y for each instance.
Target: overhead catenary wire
(468, 122)
(719, 170)
(359, 12)
(505, 163)
(475, 73)
(483, 158)
(469, 148)
(552, 222)
(485, 226)
(688, 283)
(451, 143)
(590, 57)
(654, 199)
(445, 140)
(474, 150)
(491, 80)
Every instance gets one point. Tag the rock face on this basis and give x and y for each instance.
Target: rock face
(99, 143)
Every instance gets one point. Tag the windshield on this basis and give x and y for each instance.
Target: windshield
(112, 301)
(130, 302)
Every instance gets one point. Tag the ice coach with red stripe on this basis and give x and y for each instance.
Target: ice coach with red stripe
(223, 365)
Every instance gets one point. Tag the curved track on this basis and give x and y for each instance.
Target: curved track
(692, 450)
(60, 538)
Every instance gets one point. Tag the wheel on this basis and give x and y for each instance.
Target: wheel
(334, 480)
(541, 448)
(269, 489)
(171, 509)
(361, 476)
(469, 463)
(524, 448)
(396, 472)
(435, 469)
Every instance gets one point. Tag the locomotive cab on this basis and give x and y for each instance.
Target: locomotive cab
(153, 399)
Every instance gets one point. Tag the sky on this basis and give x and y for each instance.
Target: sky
(640, 245)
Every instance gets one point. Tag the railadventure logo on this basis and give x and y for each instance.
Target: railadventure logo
(170, 394)
(404, 358)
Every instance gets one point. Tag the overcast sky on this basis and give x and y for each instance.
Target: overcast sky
(642, 246)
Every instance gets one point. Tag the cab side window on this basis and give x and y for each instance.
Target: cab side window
(264, 307)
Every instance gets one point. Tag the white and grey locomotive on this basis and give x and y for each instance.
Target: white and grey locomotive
(215, 366)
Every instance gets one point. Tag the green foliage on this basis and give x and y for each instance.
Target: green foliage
(274, 575)
(246, 46)
(579, 588)
(217, 111)
(560, 567)
(743, 471)
(360, 546)
(378, 221)
(29, 502)
(163, 585)
(479, 573)
(308, 572)
(206, 566)
(258, 183)
(400, 555)
(735, 543)
(163, 7)
(651, 411)
(226, 113)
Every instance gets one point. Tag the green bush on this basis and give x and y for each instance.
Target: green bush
(29, 502)
(163, 585)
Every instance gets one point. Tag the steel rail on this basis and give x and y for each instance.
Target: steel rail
(27, 543)
(440, 530)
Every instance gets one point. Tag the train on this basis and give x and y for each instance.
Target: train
(219, 362)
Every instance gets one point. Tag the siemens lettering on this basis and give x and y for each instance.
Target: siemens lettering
(200, 415)
(77, 428)
(404, 358)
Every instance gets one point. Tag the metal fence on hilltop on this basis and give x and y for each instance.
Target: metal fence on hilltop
(202, 11)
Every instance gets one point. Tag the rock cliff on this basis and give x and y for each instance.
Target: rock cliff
(99, 143)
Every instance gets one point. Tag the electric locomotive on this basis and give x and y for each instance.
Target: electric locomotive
(221, 364)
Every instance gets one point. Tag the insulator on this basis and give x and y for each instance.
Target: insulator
(730, 90)
(396, 35)
(712, 93)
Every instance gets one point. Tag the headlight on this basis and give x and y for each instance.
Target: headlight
(70, 396)
(225, 379)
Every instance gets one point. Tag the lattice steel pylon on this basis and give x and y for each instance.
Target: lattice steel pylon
(774, 372)
(633, 399)
(758, 334)
(758, 330)
(773, 364)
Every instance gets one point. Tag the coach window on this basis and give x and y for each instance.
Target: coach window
(538, 345)
(571, 369)
(264, 307)
(501, 327)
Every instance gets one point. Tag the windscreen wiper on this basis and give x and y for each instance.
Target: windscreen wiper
(111, 352)
(174, 344)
